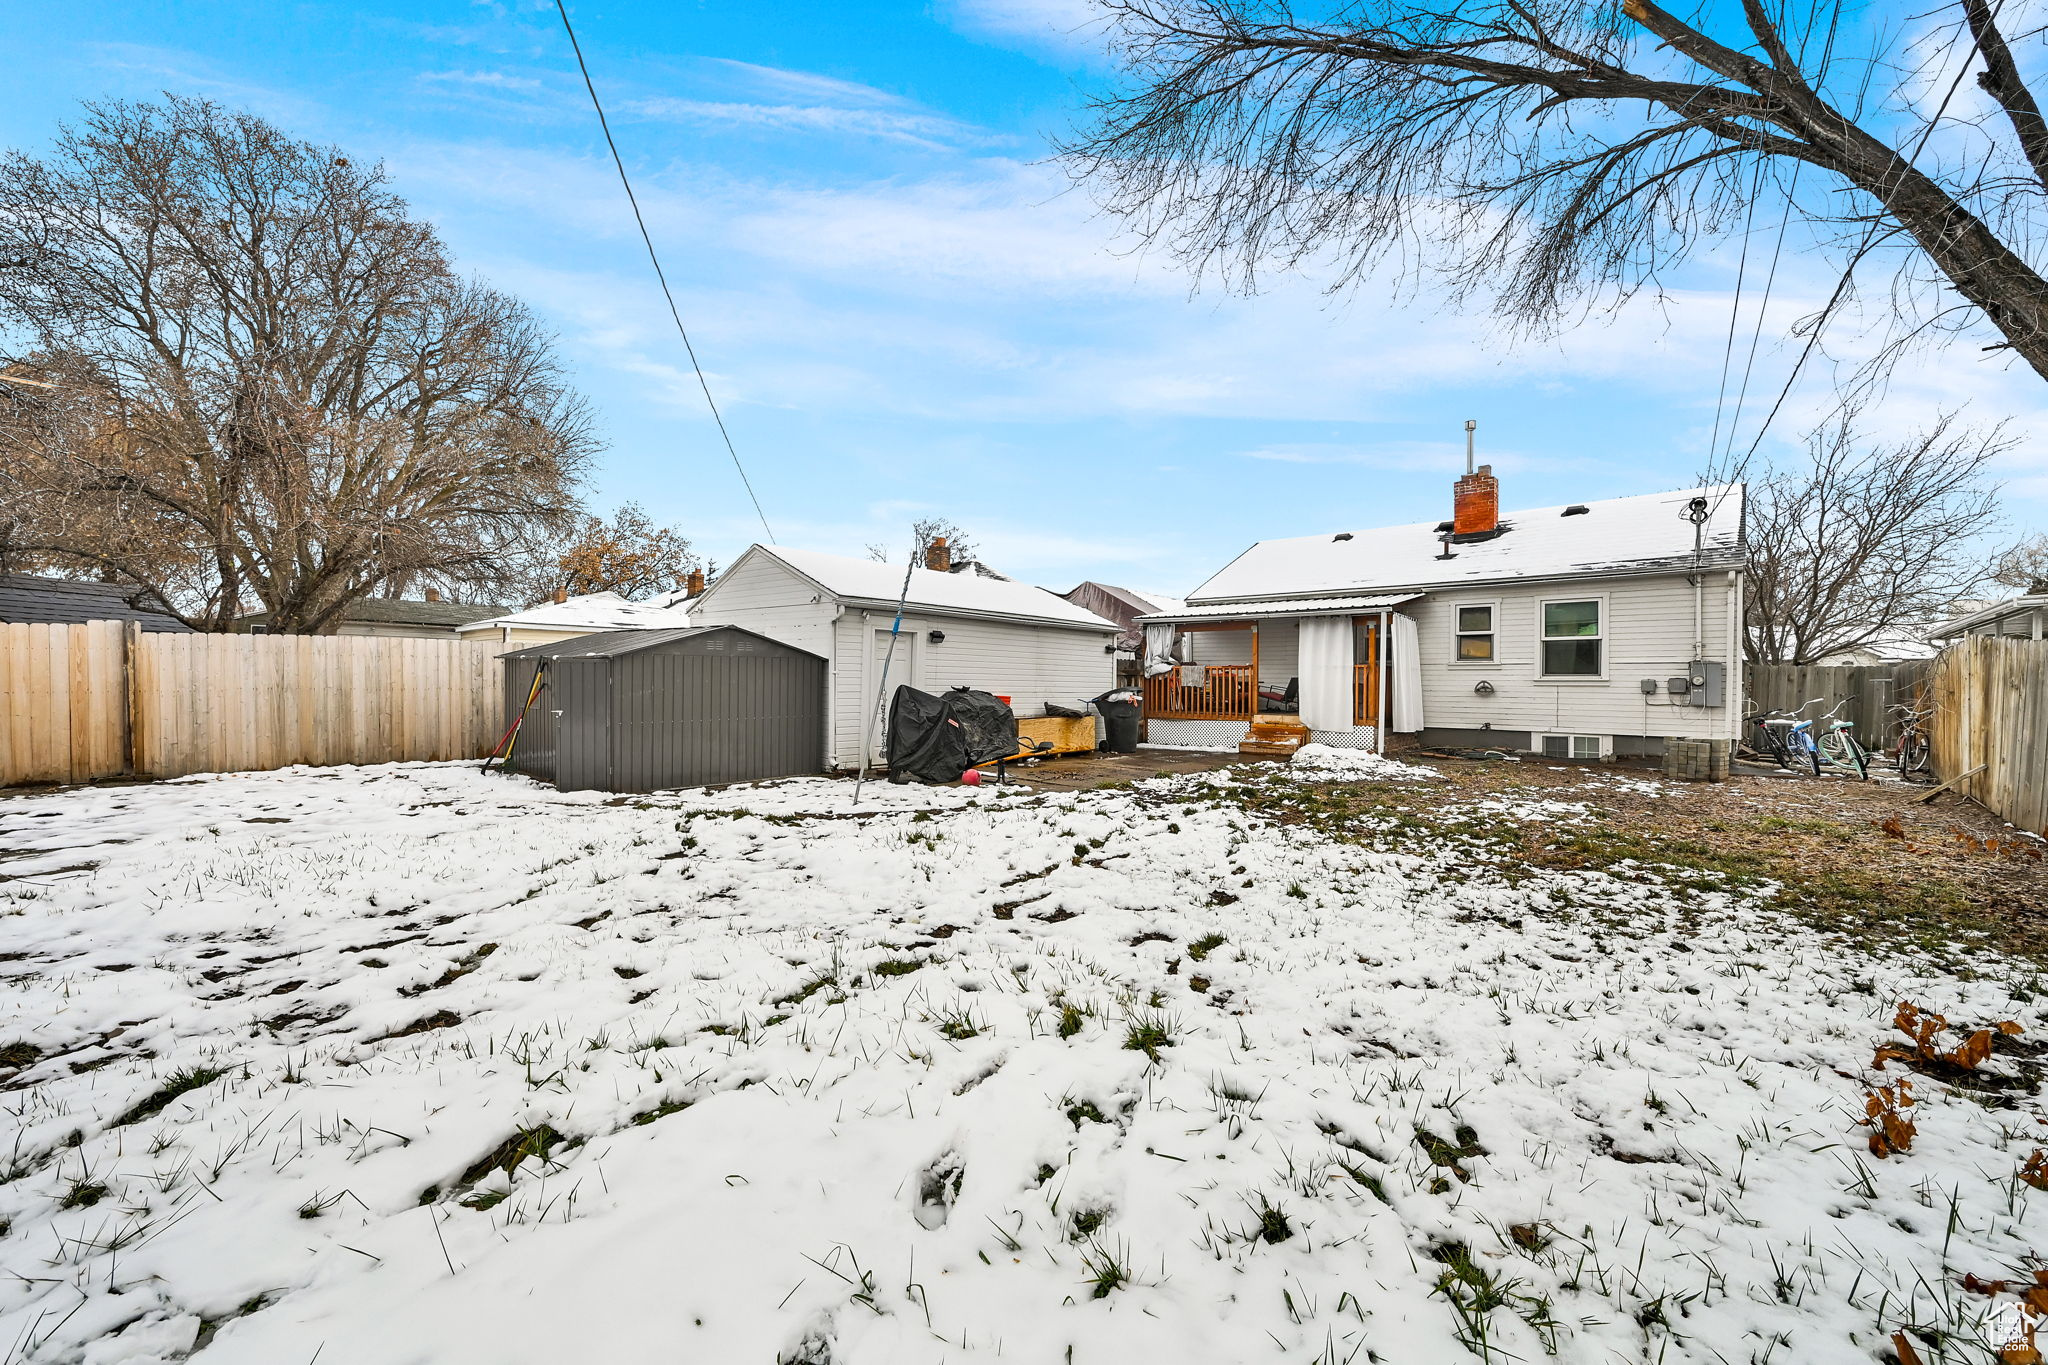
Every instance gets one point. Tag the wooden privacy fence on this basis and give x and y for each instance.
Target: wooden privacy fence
(1869, 691)
(105, 699)
(1990, 696)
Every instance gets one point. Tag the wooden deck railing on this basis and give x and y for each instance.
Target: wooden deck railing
(1226, 693)
(1365, 694)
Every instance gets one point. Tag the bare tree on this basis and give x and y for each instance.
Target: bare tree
(2024, 567)
(253, 380)
(629, 554)
(1557, 155)
(1863, 543)
(923, 532)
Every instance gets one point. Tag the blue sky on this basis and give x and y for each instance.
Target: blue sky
(904, 310)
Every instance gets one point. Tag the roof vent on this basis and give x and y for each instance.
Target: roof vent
(1443, 526)
(1577, 509)
(1341, 535)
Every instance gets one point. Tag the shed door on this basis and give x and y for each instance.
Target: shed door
(901, 670)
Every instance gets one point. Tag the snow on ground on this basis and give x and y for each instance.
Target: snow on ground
(411, 1064)
(1327, 763)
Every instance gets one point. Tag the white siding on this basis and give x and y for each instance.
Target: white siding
(1648, 627)
(1279, 650)
(1031, 665)
(763, 596)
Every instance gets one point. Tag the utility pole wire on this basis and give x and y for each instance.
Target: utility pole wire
(659, 273)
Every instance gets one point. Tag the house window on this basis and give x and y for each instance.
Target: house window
(1583, 747)
(1475, 632)
(1572, 640)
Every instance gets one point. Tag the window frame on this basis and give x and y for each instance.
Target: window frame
(1492, 605)
(1599, 599)
(1605, 743)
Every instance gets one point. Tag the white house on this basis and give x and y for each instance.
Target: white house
(959, 629)
(590, 613)
(1581, 631)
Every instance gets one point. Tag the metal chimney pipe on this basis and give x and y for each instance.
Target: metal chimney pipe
(1470, 427)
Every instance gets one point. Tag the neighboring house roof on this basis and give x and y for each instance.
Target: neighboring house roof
(1287, 606)
(612, 643)
(1138, 603)
(1619, 535)
(32, 598)
(1988, 615)
(1154, 601)
(1881, 652)
(593, 611)
(869, 582)
(401, 611)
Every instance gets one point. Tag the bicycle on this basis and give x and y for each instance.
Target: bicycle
(1766, 740)
(1841, 745)
(1912, 755)
(1793, 741)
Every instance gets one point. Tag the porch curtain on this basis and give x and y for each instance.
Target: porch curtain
(1325, 673)
(1405, 714)
(1158, 650)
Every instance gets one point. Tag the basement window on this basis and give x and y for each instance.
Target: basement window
(1583, 747)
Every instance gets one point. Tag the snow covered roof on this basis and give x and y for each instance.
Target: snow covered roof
(873, 583)
(591, 611)
(1286, 606)
(1618, 535)
(1152, 601)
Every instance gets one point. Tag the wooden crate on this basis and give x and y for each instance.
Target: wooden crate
(1068, 734)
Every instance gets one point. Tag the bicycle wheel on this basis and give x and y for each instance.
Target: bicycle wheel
(1912, 754)
(1843, 749)
(1808, 752)
(1771, 745)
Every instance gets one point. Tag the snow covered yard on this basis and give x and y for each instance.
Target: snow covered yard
(409, 1064)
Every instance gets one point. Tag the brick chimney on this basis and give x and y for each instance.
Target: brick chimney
(938, 556)
(561, 595)
(693, 586)
(1475, 503)
(433, 594)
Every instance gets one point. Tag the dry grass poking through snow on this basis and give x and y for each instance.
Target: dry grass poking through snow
(409, 1064)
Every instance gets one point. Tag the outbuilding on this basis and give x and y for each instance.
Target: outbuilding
(647, 710)
(960, 629)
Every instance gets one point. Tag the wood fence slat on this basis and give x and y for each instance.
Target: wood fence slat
(81, 702)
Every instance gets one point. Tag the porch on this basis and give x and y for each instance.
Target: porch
(1322, 666)
(1226, 692)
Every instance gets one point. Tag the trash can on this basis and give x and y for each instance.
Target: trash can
(1120, 713)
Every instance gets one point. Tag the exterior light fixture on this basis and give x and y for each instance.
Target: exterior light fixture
(1483, 688)
(937, 637)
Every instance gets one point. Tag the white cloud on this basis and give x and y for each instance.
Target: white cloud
(926, 130)
(1070, 25)
(1432, 457)
(496, 79)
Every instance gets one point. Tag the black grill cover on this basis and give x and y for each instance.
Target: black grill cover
(939, 738)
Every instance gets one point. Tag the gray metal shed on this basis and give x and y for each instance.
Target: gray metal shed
(644, 710)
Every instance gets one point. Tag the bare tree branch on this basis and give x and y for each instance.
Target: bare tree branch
(1865, 544)
(1557, 156)
(266, 386)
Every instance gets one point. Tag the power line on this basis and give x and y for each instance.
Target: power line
(659, 273)
(1870, 238)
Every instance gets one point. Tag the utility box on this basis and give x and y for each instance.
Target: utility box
(1709, 683)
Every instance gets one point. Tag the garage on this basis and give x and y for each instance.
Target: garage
(646, 710)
